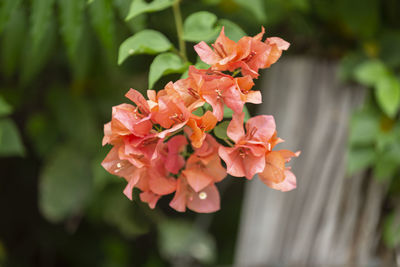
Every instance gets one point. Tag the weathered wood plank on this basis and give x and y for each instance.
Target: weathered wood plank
(329, 218)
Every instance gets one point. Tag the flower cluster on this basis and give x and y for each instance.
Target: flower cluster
(160, 146)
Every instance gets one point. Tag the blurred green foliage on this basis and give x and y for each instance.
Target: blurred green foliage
(59, 78)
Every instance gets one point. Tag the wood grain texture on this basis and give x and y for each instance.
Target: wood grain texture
(330, 219)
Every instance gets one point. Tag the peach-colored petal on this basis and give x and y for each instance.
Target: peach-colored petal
(261, 127)
(206, 54)
(139, 100)
(205, 201)
(280, 43)
(149, 198)
(233, 161)
(235, 129)
(179, 201)
(197, 179)
(131, 184)
(288, 184)
(160, 184)
(274, 168)
(253, 97)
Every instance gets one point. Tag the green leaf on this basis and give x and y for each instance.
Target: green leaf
(348, 64)
(5, 108)
(200, 26)
(181, 239)
(7, 7)
(42, 11)
(198, 112)
(65, 185)
(387, 93)
(144, 42)
(254, 6)
(220, 130)
(141, 6)
(10, 140)
(102, 18)
(370, 72)
(364, 128)
(391, 230)
(232, 30)
(13, 41)
(119, 211)
(360, 158)
(72, 20)
(164, 64)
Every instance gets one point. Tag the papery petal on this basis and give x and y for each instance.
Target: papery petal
(197, 179)
(215, 169)
(288, 184)
(217, 105)
(280, 43)
(235, 129)
(131, 184)
(206, 54)
(210, 146)
(114, 165)
(261, 127)
(160, 184)
(233, 161)
(179, 201)
(149, 198)
(244, 83)
(287, 154)
(252, 165)
(206, 201)
(253, 97)
(274, 168)
(139, 100)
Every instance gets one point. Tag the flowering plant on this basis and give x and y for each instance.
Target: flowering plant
(164, 144)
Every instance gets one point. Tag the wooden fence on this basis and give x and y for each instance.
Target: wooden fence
(330, 219)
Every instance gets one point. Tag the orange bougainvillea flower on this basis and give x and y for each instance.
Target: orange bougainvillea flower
(275, 174)
(151, 138)
(249, 53)
(247, 157)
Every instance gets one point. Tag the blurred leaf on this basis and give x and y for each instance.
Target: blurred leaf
(232, 30)
(164, 64)
(360, 158)
(348, 64)
(5, 108)
(65, 185)
(141, 6)
(75, 119)
(42, 133)
(40, 18)
(71, 20)
(102, 18)
(391, 230)
(361, 17)
(200, 26)
(7, 7)
(370, 72)
(10, 140)
(179, 239)
(220, 130)
(387, 163)
(390, 52)
(229, 112)
(144, 42)
(35, 56)
(254, 6)
(13, 39)
(119, 211)
(387, 93)
(364, 127)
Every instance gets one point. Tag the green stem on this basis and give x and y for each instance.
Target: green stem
(179, 29)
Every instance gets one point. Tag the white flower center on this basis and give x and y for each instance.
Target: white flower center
(202, 195)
